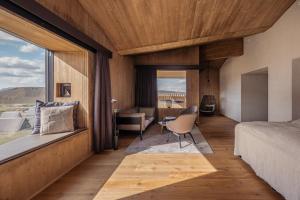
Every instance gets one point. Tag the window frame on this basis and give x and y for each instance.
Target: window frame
(157, 78)
(49, 75)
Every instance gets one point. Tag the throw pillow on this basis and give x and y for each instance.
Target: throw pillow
(37, 118)
(39, 104)
(56, 119)
(75, 105)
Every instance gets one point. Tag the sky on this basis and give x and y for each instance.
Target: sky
(22, 64)
(171, 84)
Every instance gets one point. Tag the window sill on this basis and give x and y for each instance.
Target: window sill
(30, 143)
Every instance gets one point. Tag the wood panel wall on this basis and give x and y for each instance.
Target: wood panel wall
(72, 67)
(26, 176)
(33, 33)
(72, 12)
(123, 81)
(183, 56)
(197, 84)
(211, 87)
(121, 67)
(192, 87)
(51, 162)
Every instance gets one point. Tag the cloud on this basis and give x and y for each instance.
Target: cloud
(8, 37)
(171, 84)
(28, 48)
(18, 63)
(10, 74)
(17, 72)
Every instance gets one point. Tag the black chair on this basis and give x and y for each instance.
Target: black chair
(208, 105)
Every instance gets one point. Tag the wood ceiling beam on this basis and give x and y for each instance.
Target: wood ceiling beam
(221, 49)
(191, 42)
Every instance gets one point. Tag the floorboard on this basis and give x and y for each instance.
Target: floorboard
(114, 175)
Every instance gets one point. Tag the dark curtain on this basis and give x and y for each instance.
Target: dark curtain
(146, 87)
(102, 136)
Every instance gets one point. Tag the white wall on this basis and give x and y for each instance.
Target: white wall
(275, 49)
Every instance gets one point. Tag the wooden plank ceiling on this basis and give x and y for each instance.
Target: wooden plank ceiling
(140, 26)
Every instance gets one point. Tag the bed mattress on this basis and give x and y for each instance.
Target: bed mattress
(273, 151)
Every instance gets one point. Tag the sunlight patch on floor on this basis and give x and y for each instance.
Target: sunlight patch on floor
(153, 171)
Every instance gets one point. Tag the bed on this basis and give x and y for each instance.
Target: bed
(273, 151)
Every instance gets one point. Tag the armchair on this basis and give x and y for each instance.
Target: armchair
(182, 125)
(208, 105)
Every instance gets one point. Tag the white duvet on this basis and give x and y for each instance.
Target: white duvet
(273, 151)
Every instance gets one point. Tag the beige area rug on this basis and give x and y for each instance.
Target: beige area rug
(155, 142)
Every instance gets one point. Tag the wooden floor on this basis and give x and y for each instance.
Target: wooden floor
(113, 175)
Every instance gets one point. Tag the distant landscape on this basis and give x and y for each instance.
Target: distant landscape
(174, 99)
(17, 111)
(21, 95)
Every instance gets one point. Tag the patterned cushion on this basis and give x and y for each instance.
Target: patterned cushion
(39, 104)
(75, 105)
(56, 119)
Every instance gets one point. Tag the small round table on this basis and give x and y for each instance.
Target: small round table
(163, 123)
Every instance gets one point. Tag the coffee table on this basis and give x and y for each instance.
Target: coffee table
(163, 123)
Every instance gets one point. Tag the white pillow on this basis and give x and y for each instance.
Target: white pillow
(57, 119)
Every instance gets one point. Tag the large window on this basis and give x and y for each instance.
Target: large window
(171, 89)
(22, 81)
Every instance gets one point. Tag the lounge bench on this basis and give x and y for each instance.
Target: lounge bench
(135, 119)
